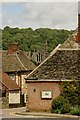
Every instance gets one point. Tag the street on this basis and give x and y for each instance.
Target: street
(10, 114)
(39, 119)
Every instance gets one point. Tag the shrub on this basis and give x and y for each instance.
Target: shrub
(71, 91)
(60, 105)
(75, 111)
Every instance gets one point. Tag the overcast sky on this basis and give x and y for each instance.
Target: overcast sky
(79, 7)
(55, 15)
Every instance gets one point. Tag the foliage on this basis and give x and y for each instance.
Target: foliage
(60, 105)
(71, 91)
(29, 39)
(75, 110)
(69, 99)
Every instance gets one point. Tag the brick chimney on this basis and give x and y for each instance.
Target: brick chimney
(13, 47)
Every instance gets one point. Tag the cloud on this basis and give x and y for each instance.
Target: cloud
(39, 0)
(43, 14)
(0, 15)
(79, 7)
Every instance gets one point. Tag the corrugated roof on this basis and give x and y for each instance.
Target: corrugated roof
(8, 83)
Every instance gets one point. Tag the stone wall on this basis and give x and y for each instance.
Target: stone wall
(5, 101)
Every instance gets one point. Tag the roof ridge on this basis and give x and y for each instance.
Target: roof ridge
(20, 61)
(26, 56)
(52, 53)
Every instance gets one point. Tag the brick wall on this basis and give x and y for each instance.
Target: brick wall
(34, 100)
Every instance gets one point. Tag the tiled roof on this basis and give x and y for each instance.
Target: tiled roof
(71, 43)
(62, 64)
(8, 83)
(16, 61)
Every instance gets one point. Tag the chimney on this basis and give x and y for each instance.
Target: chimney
(13, 47)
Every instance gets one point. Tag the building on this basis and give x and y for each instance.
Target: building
(43, 82)
(17, 65)
(41, 93)
(39, 55)
(10, 92)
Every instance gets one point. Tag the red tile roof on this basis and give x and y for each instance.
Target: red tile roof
(8, 82)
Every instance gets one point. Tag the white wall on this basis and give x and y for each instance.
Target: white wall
(14, 97)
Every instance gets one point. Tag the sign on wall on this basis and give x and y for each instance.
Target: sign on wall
(46, 94)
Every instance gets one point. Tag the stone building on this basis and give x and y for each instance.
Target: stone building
(10, 92)
(39, 55)
(63, 64)
(17, 65)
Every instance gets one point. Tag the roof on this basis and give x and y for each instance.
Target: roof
(8, 82)
(47, 80)
(17, 61)
(62, 64)
(71, 43)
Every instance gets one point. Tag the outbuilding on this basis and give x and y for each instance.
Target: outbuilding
(10, 92)
(41, 93)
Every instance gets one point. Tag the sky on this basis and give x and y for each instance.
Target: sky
(54, 15)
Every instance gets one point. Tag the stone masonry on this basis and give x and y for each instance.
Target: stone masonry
(5, 101)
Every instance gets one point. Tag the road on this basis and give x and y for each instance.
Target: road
(9, 114)
(39, 119)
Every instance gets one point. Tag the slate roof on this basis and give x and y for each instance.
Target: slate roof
(16, 61)
(8, 82)
(62, 64)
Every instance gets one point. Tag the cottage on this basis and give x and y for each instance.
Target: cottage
(10, 92)
(17, 65)
(63, 64)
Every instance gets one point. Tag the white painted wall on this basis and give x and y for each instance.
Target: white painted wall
(14, 97)
(23, 80)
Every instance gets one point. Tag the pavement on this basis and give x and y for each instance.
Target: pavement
(21, 112)
(47, 114)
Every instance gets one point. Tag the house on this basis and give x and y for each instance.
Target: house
(17, 65)
(43, 83)
(10, 92)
